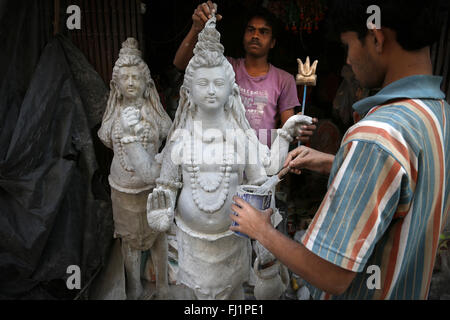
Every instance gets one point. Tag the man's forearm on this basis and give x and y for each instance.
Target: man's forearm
(315, 270)
(185, 51)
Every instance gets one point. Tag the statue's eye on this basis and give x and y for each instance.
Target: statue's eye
(202, 82)
(219, 82)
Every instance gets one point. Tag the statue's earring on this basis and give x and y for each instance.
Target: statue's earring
(191, 107)
(229, 104)
(113, 86)
(191, 104)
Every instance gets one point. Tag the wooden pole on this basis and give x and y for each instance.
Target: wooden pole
(56, 18)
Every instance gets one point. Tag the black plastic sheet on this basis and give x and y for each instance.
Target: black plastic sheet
(54, 209)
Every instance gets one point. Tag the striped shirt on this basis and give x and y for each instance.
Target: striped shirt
(388, 193)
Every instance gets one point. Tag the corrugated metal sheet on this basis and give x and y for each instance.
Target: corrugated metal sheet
(105, 24)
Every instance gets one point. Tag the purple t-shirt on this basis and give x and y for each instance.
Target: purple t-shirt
(265, 97)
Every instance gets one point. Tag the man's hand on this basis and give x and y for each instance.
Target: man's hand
(202, 14)
(252, 222)
(306, 132)
(310, 159)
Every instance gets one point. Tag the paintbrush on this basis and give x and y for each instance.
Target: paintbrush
(272, 181)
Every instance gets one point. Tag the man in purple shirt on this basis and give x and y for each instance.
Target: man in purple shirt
(269, 94)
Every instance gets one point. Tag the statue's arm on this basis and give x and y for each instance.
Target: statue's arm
(255, 154)
(142, 159)
(280, 147)
(162, 201)
(170, 175)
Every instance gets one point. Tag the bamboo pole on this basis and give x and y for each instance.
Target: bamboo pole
(56, 18)
(109, 39)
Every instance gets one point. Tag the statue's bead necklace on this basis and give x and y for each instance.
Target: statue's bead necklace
(196, 181)
(143, 139)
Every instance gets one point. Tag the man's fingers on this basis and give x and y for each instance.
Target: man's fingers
(304, 139)
(234, 228)
(234, 217)
(297, 163)
(292, 156)
(310, 127)
(206, 9)
(306, 133)
(287, 161)
(202, 16)
(294, 153)
(235, 208)
(299, 158)
(239, 201)
(268, 212)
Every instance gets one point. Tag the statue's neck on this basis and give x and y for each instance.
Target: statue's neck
(213, 120)
(126, 102)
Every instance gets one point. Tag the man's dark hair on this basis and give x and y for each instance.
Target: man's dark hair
(265, 14)
(415, 22)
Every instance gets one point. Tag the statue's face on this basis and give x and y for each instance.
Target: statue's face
(131, 82)
(210, 88)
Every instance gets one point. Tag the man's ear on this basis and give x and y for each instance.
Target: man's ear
(272, 45)
(379, 39)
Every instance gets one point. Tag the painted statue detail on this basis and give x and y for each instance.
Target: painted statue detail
(134, 126)
(211, 150)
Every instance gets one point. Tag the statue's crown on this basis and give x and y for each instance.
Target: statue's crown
(130, 48)
(209, 39)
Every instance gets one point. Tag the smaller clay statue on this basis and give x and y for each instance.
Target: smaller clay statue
(134, 126)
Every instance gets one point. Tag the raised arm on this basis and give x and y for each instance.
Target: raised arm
(142, 159)
(200, 16)
(280, 148)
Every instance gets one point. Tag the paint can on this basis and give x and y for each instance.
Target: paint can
(257, 200)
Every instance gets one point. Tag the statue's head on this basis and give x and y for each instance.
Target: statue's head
(209, 79)
(131, 83)
(131, 76)
(209, 83)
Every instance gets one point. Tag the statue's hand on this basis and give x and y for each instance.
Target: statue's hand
(294, 124)
(160, 209)
(129, 119)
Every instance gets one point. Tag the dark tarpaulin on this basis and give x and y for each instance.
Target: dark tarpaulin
(54, 208)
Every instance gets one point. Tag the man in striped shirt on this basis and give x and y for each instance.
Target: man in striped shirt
(376, 232)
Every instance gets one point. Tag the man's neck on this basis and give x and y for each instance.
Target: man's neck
(409, 64)
(256, 66)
